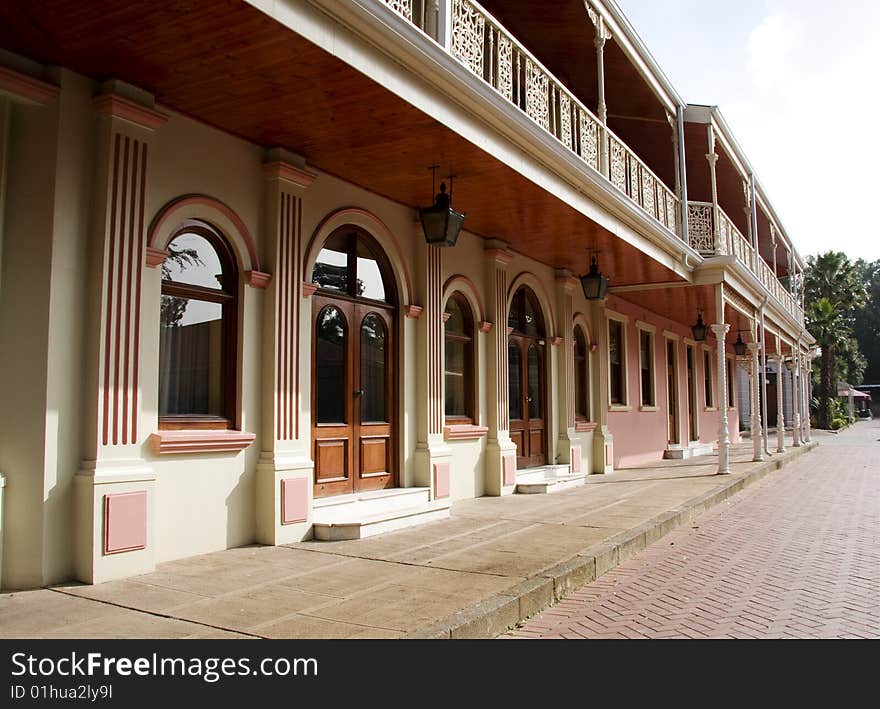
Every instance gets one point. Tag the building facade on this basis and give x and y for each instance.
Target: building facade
(220, 320)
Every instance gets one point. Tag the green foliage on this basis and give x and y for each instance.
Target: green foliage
(835, 293)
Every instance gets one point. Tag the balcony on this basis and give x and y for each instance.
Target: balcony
(728, 240)
(479, 42)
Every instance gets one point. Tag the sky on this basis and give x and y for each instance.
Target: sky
(798, 82)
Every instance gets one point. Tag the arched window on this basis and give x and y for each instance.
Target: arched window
(351, 264)
(460, 397)
(198, 331)
(581, 377)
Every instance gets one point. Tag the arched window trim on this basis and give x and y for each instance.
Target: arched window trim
(469, 338)
(228, 297)
(355, 235)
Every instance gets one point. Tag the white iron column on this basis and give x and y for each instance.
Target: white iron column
(808, 386)
(796, 400)
(712, 157)
(602, 35)
(721, 330)
(500, 450)
(780, 417)
(284, 472)
(757, 434)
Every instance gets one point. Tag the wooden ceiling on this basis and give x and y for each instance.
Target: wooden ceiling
(227, 64)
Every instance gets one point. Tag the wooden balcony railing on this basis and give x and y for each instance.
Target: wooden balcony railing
(484, 46)
(727, 239)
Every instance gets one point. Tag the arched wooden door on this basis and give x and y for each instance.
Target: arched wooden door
(526, 362)
(353, 395)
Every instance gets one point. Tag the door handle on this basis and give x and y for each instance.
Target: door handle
(358, 392)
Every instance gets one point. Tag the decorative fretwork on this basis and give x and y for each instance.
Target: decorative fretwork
(401, 7)
(617, 164)
(648, 201)
(565, 119)
(468, 35)
(537, 88)
(700, 227)
(633, 172)
(504, 75)
(670, 211)
(589, 130)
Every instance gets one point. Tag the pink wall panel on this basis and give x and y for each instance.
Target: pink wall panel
(509, 470)
(640, 437)
(125, 521)
(294, 500)
(441, 480)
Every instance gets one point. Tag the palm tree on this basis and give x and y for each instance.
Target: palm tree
(834, 290)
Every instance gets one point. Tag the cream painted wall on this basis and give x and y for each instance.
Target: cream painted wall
(41, 311)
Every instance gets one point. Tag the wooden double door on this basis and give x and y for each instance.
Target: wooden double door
(527, 376)
(353, 396)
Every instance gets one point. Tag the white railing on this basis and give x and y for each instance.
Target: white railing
(732, 241)
(727, 239)
(637, 181)
(484, 46)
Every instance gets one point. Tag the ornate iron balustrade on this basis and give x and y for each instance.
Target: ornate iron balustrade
(727, 239)
(485, 47)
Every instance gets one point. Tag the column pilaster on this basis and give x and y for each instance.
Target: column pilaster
(432, 453)
(712, 158)
(566, 286)
(721, 330)
(114, 489)
(796, 400)
(284, 480)
(603, 441)
(500, 450)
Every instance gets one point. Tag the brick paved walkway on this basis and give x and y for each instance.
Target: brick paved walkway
(795, 556)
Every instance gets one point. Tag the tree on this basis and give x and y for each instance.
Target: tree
(834, 292)
(867, 322)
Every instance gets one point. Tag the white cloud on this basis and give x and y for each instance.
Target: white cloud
(769, 49)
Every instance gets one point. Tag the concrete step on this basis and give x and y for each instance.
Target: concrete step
(692, 450)
(548, 479)
(367, 514)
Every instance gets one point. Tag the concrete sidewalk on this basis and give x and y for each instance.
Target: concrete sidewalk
(497, 561)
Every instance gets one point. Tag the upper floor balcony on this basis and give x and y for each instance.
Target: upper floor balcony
(479, 41)
(713, 233)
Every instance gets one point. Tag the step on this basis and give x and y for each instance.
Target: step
(691, 451)
(375, 502)
(548, 479)
(354, 524)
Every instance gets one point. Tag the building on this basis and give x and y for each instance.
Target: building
(221, 322)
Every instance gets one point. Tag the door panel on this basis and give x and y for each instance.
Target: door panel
(353, 397)
(527, 388)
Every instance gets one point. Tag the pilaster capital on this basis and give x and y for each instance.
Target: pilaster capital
(26, 89)
(720, 329)
(754, 347)
(283, 165)
(498, 251)
(712, 158)
(566, 280)
(125, 109)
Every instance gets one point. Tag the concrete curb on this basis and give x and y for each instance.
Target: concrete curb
(493, 616)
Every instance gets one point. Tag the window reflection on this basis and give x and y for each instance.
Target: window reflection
(373, 340)
(330, 383)
(193, 260)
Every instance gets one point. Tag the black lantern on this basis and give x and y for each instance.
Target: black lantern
(441, 223)
(739, 346)
(595, 284)
(699, 328)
